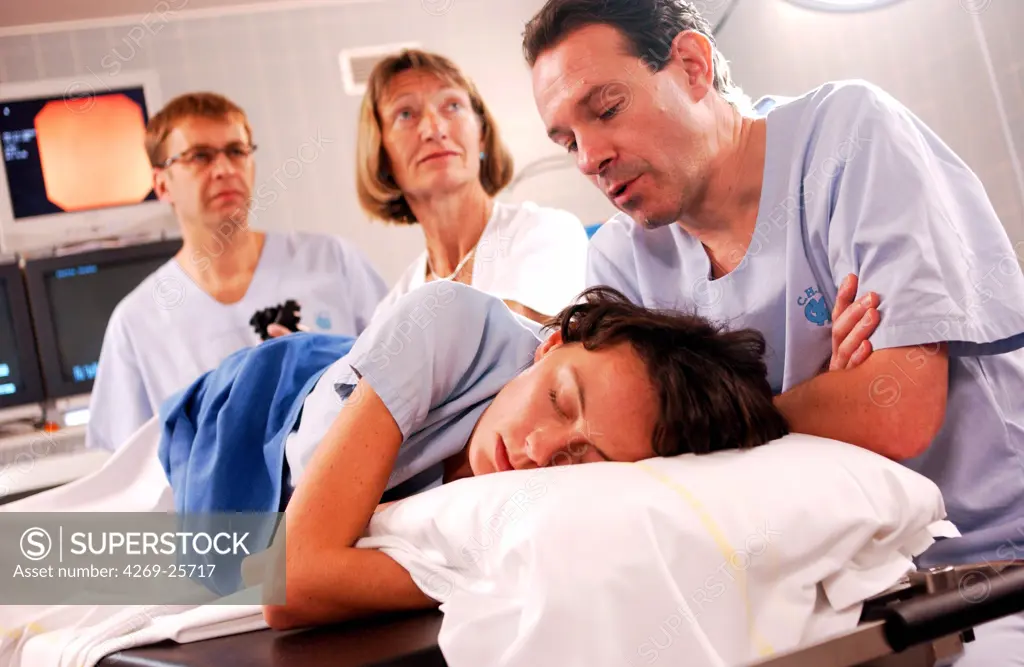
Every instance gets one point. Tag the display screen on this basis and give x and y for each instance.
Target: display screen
(11, 379)
(65, 154)
(81, 299)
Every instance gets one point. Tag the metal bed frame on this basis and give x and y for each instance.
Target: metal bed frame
(923, 621)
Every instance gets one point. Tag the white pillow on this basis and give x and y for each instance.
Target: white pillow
(729, 557)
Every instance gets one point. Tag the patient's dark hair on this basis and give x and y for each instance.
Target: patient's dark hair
(712, 382)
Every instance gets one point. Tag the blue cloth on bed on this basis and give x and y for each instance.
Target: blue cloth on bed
(222, 440)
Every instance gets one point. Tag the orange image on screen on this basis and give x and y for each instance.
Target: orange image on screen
(93, 156)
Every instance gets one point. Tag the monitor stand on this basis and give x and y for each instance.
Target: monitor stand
(124, 240)
(71, 411)
(30, 414)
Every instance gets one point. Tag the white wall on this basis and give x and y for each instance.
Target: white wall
(932, 55)
(28, 17)
(282, 67)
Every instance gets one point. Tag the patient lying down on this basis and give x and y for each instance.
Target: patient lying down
(451, 380)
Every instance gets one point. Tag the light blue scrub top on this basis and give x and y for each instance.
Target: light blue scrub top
(855, 183)
(436, 358)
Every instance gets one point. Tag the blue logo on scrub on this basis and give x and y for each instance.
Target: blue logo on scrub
(323, 320)
(815, 308)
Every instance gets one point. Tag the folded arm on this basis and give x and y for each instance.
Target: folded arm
(893, 403)
(327, 579)
(904, 214)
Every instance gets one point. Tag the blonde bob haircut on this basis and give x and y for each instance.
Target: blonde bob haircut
(379, 194)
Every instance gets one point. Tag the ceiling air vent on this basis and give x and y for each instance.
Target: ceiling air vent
(356, 64)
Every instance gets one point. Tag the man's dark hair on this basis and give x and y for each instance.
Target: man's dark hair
(648, 26)
(712, 383)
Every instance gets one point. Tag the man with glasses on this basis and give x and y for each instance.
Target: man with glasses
(193, 311)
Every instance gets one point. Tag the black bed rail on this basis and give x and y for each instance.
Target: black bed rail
(923, 621)
(980, 595)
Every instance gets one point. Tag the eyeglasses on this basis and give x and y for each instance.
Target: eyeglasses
(201, 157)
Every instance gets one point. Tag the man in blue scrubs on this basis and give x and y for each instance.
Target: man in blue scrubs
(758, 222)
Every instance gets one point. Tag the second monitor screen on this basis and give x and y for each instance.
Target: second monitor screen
(81, 300)
(10, 371)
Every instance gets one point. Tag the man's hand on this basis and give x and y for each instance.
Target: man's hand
(853, 322)
(890, 401)
(277, 330)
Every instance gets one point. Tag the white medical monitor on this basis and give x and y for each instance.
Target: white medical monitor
(74, 165)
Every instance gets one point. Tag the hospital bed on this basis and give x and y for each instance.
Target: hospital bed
(855, 511)
(922, 622)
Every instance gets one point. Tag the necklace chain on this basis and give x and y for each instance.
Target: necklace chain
(454, 273)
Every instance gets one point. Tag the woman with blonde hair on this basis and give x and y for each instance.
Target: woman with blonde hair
(429, 153)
